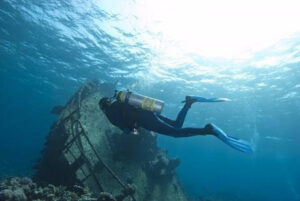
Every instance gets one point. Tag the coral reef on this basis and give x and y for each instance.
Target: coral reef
(24, 189)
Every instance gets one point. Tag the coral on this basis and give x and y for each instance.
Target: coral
(24, 189)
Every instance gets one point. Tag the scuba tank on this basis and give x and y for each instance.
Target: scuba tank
(140, 101)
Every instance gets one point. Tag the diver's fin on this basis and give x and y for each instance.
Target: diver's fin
(235, 143)
(240, 145)
(207, 100)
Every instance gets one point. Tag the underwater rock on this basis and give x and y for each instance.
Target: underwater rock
(84, 149)
(6, 194)
(23, 189)
(14, 189)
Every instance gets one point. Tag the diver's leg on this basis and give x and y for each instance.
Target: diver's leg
(188, 132)
(180, 117)
(152, 122)
(166, 120)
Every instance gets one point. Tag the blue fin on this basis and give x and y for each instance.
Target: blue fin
(240, 145)
(209, 100)
(233, 142)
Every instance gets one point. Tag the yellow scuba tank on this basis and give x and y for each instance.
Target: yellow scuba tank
(140, 101)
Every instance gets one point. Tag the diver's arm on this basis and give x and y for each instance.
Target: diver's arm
(115, 115)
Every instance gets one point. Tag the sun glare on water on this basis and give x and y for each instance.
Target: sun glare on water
(232, 29)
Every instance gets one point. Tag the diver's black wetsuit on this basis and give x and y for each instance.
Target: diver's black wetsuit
(127, 117)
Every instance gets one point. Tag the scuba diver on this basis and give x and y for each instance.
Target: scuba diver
(130, 111)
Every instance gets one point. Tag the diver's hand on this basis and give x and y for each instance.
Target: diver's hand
(135, 132)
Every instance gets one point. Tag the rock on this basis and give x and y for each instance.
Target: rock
(6, 195)
(26, 189)
(51, 188)
(78, 189)
(50, 197)
(19, 195)
(23, 189)
(11, 189)
(15, 181)
(25, 181)
(73, 196)
(32, 186)
(2, 187)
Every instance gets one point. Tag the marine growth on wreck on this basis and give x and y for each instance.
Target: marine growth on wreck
(84, 149)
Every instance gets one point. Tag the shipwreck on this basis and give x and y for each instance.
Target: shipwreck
(83, 148)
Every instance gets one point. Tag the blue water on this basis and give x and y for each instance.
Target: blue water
(49, 48)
